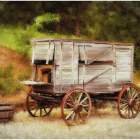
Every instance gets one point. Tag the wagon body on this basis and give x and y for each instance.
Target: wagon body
(96, 67)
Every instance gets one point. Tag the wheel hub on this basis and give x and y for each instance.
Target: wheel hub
(131, 102)
(78, 108)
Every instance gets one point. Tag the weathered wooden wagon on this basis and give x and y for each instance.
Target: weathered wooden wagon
(71, 73)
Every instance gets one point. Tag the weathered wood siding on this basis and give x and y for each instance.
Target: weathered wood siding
(97, 68)
(95, 52)
(43, 51)
(66, 65)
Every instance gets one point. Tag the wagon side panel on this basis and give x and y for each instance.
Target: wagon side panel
(96, 76)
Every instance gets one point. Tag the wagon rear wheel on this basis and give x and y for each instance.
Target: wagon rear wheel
(37, 108)
(129, 102)
(76, 107)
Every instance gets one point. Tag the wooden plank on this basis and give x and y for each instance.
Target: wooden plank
(98, 90)
(97, 85)
(92, 51)
(123, 47)
(123, 68)
(66, 87)
(93, 77)
(56, 89)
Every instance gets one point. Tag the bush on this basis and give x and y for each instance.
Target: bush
(8, 85)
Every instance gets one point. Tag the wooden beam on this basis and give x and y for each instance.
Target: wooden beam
(48, 54)
(107, 51)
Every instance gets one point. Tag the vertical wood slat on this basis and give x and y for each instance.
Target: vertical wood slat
(78, 63)
(33, 55)
(61, 53)
(48, 54)
(34, 72)
(73, 64)
(132, 62)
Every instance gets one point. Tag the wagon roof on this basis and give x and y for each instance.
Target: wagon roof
(82, 41)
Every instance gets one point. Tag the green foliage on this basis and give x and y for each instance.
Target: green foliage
(106, 20)
(45, 18)
(8, 85)
(16, 38)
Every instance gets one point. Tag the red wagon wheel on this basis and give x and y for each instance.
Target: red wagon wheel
(37, 108)
(129, 102)
(76, 107)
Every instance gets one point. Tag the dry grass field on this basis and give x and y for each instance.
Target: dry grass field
(102, 124)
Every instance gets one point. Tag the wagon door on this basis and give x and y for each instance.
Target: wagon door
(96, 75)
(123, 59)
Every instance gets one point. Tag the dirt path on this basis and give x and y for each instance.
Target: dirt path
(102, 124)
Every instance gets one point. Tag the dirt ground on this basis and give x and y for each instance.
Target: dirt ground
(102, 124)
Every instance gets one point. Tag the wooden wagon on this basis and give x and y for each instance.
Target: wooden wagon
(72, 73)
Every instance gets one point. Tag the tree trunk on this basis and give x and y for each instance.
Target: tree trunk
(77, 27)
(58, 27)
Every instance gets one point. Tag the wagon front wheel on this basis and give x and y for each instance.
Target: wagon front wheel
(37, 108)
(76, 107)
(129, 102)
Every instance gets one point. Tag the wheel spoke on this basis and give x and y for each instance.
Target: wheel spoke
(137, 100)
(128, 112)
(81, 116)
(69, 104)
(136, 95)
(45, 110)
(83, 100)
(133, 94)
(86, 105)
(33, 106)
(36, 111)
(80, 97)
(77, 116)
(125, 108)
(72, 118)
(123, 104)
(134, 108)
(123, 100)
(129, 92)
(132, 111)
(69, 115)
(71, 99)
(126, 97)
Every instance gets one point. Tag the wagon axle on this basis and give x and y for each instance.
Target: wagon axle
(131, 102)
(78, 108)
